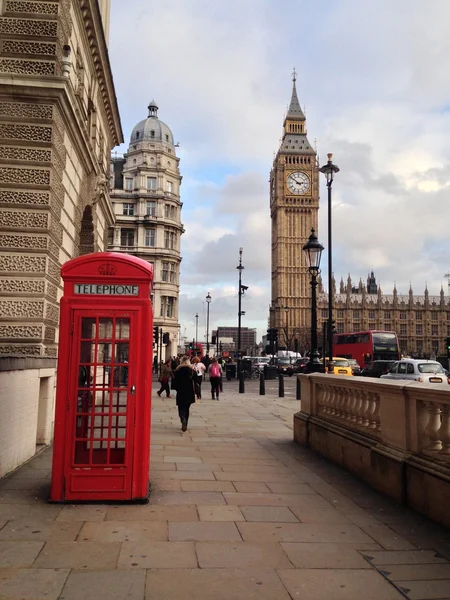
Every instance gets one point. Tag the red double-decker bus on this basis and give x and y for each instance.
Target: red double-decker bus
(367, 346)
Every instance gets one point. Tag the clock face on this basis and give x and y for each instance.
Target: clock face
(298, 182)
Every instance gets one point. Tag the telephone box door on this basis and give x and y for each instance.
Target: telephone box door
(101, 405)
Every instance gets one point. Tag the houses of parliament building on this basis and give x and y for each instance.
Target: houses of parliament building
(422, 322)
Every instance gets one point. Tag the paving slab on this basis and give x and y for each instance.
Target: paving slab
(122, 531)
(216, 584)
(220, 513)
(274, 514)
(425, 590)
(39, 530)
(82, 512)
(345, 584)
(78, 555)
(207, 486)
(180, 498)
(150, 512)
(241, 555)
(325, 556)
(204, 531)
(18, 554)
(415, 557)
(32, 584)
(157, 555)
(303, 532)
(113, 585)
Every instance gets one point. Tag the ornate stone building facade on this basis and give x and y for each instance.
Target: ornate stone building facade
(58, 122)
(294, 206)
(422, 323)
(146, 199)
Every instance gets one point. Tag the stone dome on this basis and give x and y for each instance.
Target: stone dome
(151, 129)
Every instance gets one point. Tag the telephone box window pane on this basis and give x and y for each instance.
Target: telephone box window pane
(105, 328)
(122, 352)
(84, 376)
(102, 401)
(88, 328)
(123, 329)
(105, 353)
(87, 352)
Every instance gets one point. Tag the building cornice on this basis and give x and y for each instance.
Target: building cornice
(93, 24)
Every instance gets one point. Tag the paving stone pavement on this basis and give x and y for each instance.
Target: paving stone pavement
(237, 511)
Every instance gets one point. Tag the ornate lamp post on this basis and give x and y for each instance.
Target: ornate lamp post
(329, 170)
(208, 300)
(313, 250)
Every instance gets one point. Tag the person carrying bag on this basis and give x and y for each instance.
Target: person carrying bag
(215, 375)
(199, 369)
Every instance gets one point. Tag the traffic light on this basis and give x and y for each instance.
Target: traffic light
(447, 346)
(155, 335)
(275, 335)
(269, 336)
(166, 337)
(333, 327)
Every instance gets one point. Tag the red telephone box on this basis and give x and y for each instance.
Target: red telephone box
(101, 445)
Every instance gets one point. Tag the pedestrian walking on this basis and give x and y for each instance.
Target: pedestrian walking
(206, 360)
(164, 378)
(183, 383)
(200, 370)
(215, 374)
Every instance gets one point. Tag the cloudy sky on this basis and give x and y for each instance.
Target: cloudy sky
(374, 80)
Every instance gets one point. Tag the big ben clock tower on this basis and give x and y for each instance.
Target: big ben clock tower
(294, 205)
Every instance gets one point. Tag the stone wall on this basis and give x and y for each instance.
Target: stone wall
(58, 123)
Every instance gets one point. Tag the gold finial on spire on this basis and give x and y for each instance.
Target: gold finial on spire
(294, 76)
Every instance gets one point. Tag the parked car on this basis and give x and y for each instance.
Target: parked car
(284, 365)
(300, 364)
(341, 366)
(355, 366)
(377, 368)
(425, 371)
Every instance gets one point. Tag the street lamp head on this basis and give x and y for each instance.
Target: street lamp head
(208, 298)
(196, 315)
(329, 169)
(313, 250)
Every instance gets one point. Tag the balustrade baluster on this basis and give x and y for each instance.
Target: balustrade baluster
(444, 430)
(360, 407)
(433, 427)
(355, 405)
(373, 410)
(366, 410)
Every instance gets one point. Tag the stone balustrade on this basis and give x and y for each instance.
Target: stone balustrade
(393, 434)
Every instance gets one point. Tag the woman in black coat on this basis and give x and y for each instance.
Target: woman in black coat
(183, 383)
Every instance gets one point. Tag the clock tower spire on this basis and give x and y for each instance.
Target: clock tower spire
(294, 205)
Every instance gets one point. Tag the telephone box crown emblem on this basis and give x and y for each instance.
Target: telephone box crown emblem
(107, 269)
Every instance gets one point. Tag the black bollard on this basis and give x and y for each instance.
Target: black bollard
(299, 387)
(241, 383)
(262, 385)
(280, 386)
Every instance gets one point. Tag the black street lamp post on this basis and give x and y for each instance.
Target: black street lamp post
(288, 345)
(313, 250)
(196, 334)
(329, 170)
(242, 289)
(208, 300)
